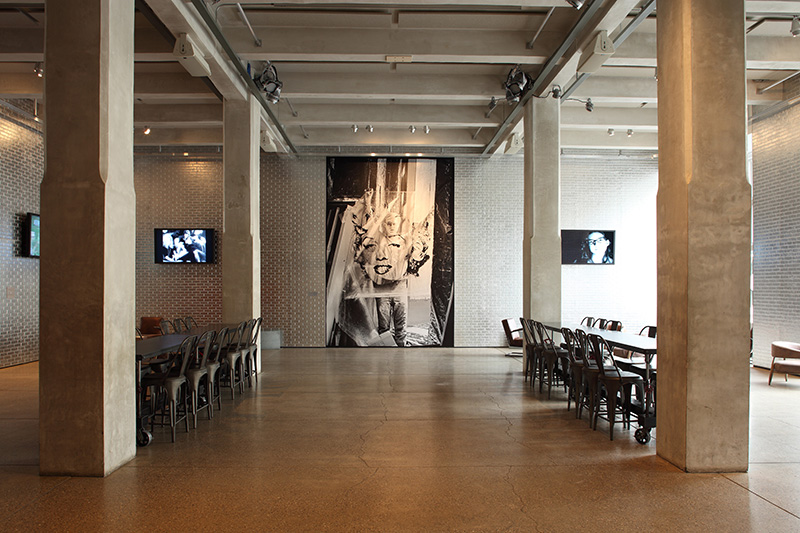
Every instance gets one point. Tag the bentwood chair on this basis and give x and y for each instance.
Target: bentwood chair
(213, 363)
(190, 323)
(232, 358)
(166, 327)
(531, 350)
(575, 368)
(169, 390)
(617, 383)
(551, 355)
(589, 374)
(197, 372)
(253, 348)
(599, 323)
(587, 321)
(613, 325)
(180, 326)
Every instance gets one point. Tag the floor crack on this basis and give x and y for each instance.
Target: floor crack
(363, 437)
(508, 420)
(523, 508)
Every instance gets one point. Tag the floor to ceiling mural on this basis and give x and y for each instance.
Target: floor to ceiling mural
(389, 252)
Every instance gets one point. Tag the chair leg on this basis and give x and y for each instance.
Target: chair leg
(172, 406)
(611, 403)
(771, 371)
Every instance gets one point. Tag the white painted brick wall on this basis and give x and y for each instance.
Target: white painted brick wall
(604, 190)
(776, 239)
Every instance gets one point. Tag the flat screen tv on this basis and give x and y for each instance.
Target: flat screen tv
(30, 235)
(587, 247)
(184, 245)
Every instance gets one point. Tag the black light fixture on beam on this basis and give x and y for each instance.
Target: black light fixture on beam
(577, 4)
(517, 82)
(795, 31)
(268, 82)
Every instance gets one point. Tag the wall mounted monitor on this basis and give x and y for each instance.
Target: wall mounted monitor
(184, 245)
(30, 235)
(587, 247)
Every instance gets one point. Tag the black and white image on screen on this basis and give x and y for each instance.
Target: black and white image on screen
(183, 246)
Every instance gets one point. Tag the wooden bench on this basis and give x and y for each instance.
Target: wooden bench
(785, 359)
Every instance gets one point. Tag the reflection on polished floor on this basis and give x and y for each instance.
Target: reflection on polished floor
(401, 440)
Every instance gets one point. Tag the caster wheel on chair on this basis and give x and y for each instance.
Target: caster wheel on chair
(642, 436)
(144, 437)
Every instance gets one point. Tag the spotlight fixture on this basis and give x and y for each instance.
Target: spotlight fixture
(516, 84)
(412, 129)
(610, 132)
(630, 133)
(369, 128)
(589, 105)
(556, 91)
(577, 4)
(492, 103)
(37, 68)
(795, 26)
(355, 128)
(268, 82)
(146, 130)
(427, 130)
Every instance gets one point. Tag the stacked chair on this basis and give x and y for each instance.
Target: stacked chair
(169, 391)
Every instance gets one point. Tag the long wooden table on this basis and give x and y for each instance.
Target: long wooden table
(635, 343)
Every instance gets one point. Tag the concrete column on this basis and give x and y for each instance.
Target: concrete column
(88, 207)
(703, 237)
(542, 236)
(541, 247)
(241, 240)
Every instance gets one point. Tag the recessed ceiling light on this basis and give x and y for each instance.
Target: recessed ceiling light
(146, 130)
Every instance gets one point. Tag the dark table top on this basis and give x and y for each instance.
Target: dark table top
(154, 346)
(618, 339)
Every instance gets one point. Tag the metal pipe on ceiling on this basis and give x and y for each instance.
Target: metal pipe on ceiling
(768, 87)
(237, 63)
(529, 44)
(249, 27)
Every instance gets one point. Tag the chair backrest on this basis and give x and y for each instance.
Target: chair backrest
(190, 323)
(527, 331)
(203, 349)
(650, 331)
(179, 325)
(241, 337)
(138, 333)
(183, 357)
(255, 331)
(614, 325)
(513, 331)
(221, 342)
(603, 356)
(166, 326)
(600, 323)
(572, 345)
(546, 342)
(588, 321)
(583, 342)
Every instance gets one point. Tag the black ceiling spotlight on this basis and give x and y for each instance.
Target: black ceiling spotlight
(268, 82)
(577, 4)
(516, 84)
(589, 105)
(556, 91)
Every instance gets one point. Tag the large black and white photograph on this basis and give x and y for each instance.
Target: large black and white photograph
(390, 252)
(587, 247)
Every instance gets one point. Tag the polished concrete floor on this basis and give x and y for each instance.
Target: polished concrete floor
(401, 440)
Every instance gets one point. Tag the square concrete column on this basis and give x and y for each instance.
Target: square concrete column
(87, 285)
(541, 247)
(542, 226)
(241, 240)
(703, 237)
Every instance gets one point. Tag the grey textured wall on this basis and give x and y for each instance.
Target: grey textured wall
(776, 239)
(21, 171)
